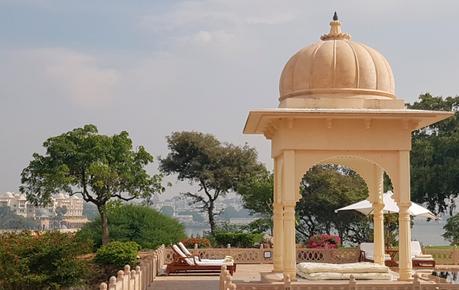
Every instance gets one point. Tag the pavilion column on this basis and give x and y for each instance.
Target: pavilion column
(289, 198)
(378, 215)
(289, 241)
(278, 236)
(404, 203)
(278, 218)
(378, 233)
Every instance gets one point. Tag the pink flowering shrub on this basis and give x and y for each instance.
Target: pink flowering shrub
(324, 241)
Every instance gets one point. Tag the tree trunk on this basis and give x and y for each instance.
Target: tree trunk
(210, 213)
(104, 223)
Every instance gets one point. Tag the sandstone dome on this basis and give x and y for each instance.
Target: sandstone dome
(338, 70)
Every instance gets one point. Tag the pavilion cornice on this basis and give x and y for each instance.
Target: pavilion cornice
(265, 121)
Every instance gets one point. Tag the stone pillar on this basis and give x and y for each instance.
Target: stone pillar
(378, 233)
(289, 199)
(278, 236)
(378, 214)
(404, 203)
(289, 241)
(404, 254)
(278, 218)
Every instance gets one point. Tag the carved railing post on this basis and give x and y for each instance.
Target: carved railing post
(132, 280)
(227, 280)
(416, 282)
(222, 278)
(120, 279)
(127, 277)
(287, 282)
(112, 283)
(103, 286)
(154, 267)
(138, 278)
(352, 283)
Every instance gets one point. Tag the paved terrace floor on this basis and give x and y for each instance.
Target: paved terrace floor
(245, 272)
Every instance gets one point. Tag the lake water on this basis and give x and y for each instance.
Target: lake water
(429, 233)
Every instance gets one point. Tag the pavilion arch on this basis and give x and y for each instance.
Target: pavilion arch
(366, 168)
(369, 165)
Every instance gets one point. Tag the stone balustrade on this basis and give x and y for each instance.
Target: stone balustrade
(140, 277)
(446, 256)
(265, 255)
(226, 283)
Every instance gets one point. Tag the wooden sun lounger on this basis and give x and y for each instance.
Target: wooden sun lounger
(419, 261)
(189, 264)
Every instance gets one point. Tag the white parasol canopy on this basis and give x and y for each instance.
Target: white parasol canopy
(390, 206)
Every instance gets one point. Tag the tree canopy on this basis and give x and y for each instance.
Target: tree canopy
(97, 167)
(257, 196)
(137, 223)
(216, 168)
(435, 156)
(325, 188)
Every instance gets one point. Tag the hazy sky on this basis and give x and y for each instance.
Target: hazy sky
(153, 67)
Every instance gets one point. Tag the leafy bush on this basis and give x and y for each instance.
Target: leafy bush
(137, 223)
(324, 241)
(45, 261)
(118, 254)
(237, 239)
(201, 242)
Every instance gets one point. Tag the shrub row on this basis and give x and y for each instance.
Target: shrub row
(44, 261)
(237, 239)
(118, 254)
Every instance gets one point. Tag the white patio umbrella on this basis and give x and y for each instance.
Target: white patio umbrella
(390, 206)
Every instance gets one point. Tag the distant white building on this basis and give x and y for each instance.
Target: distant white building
(241, 221)
(73, 217)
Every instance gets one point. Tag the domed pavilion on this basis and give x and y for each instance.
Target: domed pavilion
(338, 105)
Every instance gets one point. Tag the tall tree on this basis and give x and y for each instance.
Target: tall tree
(216, 168)
(325, 188)
(257, 196)
(96, 166)
(435, 156)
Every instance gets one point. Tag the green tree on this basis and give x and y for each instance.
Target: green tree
(137, 223)
(96, 166)
(452, 230)
(324, 188)
(435, 156)
(257, 196)
(214, 167)
(46, 261)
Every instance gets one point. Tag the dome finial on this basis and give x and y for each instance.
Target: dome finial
(335, 30)
(335, 17)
